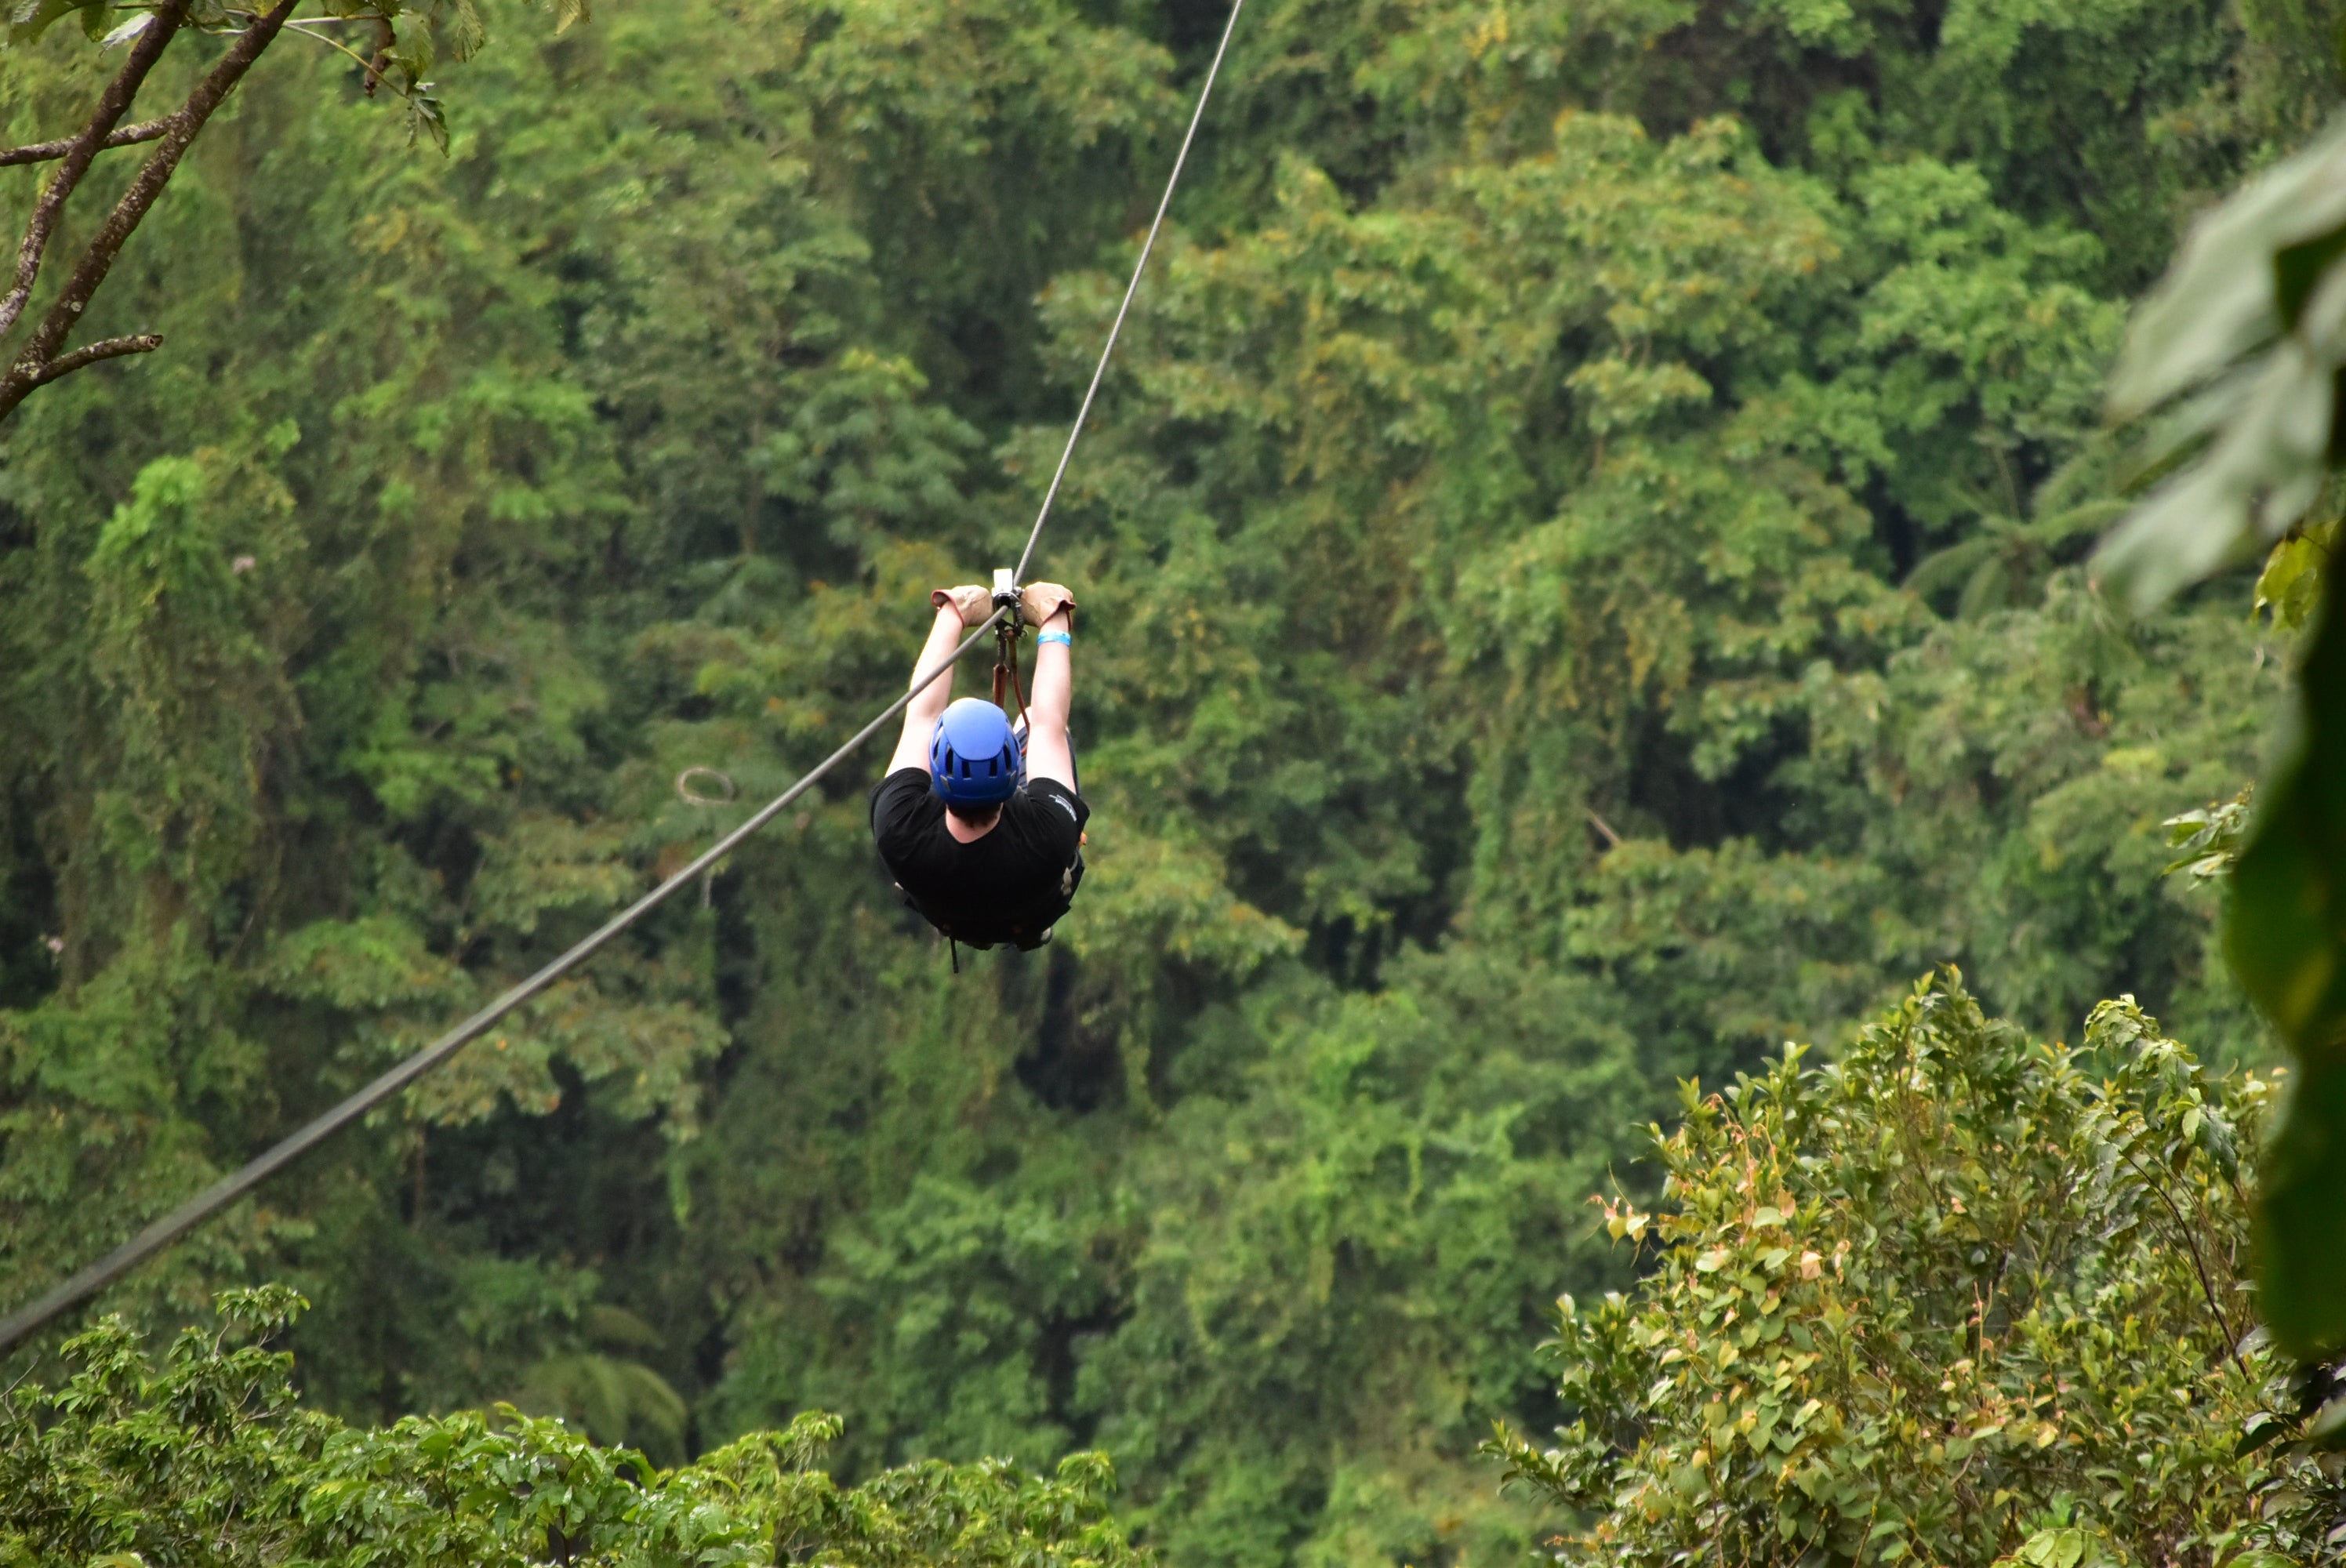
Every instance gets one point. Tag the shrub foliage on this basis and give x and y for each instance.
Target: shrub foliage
(208, 1462)
(1958, 1295)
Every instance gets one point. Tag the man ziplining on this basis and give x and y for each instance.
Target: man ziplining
(1047, 605)
(983, 829)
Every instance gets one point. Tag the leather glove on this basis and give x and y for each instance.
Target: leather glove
(1038, 602)
(974, 603)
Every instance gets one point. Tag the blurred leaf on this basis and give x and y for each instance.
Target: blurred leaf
(2287, 942)
(29, 19)
(2254, 307)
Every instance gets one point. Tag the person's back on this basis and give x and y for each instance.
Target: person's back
(1010, 885)
(980, 828)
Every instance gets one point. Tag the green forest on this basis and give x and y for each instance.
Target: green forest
(1635, 1000)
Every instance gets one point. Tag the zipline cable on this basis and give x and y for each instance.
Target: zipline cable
(162, 1232)
(1116, 327)
(159, 1235)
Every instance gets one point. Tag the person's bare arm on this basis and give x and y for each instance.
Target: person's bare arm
(1048, 753)
(928, 704)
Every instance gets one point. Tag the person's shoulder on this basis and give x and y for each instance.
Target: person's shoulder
(1053, 801)
(902, 797)
(902, 779)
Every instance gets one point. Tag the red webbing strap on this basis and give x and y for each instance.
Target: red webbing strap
(1006, 670)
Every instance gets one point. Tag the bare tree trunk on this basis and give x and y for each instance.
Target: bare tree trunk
(40, 362)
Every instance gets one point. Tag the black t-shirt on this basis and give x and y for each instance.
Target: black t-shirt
(1009, 884)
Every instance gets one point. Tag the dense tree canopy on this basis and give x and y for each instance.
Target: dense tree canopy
(1581, 565)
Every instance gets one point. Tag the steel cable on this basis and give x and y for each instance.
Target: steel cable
(1116, 327)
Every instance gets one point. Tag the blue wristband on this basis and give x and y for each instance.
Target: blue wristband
(1064, 639)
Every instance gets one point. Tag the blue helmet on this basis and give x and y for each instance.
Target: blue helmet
(975, 758)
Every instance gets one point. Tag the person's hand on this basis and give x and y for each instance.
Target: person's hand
(1038, 602)
(972, 602)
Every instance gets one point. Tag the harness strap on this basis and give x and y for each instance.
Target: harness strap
(1007, 682)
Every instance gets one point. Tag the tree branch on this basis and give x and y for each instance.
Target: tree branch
(2198, 1266)
(36, 364)
(42, 151)
(110, 349)
(112, 105)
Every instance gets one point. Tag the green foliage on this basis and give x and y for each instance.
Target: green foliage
(607, 1396)
(1956, 1297)
(208, 1459)
(2209, 837)
(1506, 690)
(403, 44)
